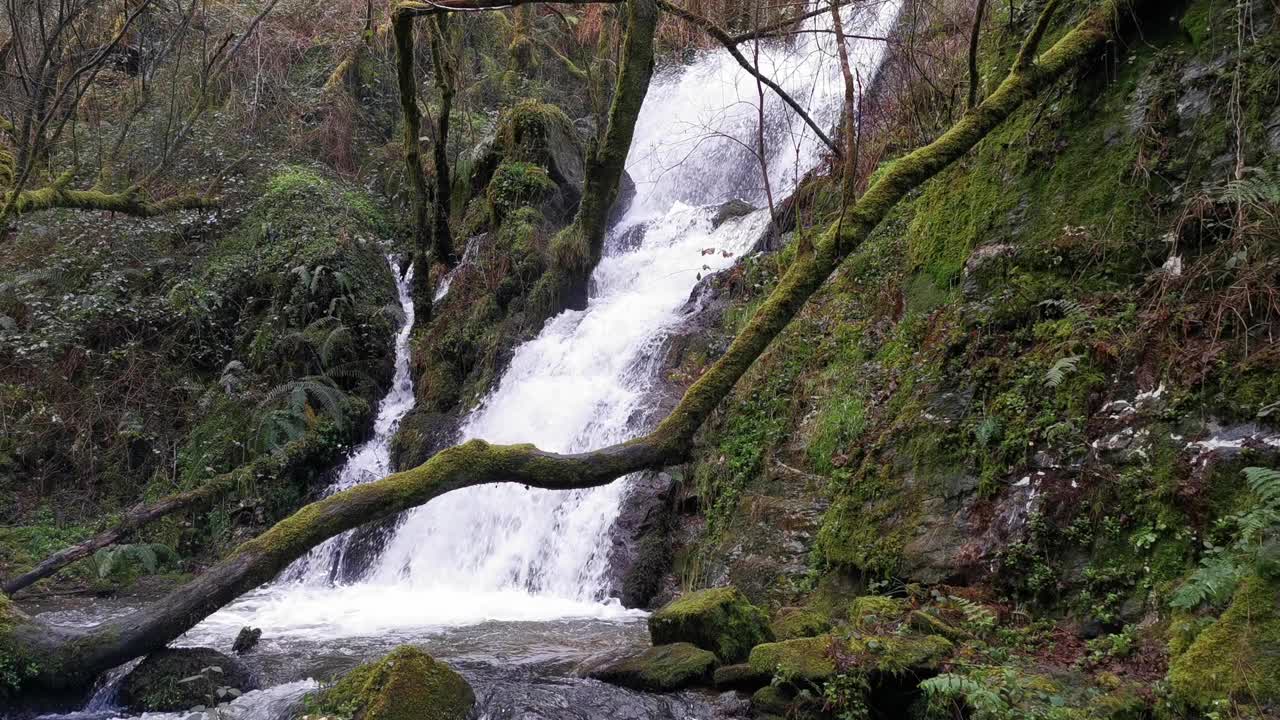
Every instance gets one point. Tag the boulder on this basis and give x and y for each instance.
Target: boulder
(407, 684)
(812, 659)
(717, 619)
(176, 679)
(661, 668)
(771, 700)
(731, 210)
(740, 677)
(792, 622)
(800, 659)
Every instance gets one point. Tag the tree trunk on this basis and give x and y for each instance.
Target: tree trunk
(577, 249)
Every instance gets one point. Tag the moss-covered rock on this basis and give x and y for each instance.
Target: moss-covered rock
(808, 659)
(791, 623)
(662, 668)
(717, 619)
(407, 684)
(873, 610)
(771, 700)
(1238, 656)
(176, 679)
(739, 677)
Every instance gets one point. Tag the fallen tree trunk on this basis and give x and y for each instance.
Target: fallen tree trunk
(55, 657)
(292, 455)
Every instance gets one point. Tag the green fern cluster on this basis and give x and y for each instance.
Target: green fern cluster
(1252, 545)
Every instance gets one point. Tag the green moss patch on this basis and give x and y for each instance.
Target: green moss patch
(718, 619)
(662, 668)
(407, 684)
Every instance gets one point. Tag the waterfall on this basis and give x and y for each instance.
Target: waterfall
(508, 552)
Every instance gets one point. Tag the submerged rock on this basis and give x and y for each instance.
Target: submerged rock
(246, 640)
(662, 668)
(407, 684)
(175, 679)
(721, 620)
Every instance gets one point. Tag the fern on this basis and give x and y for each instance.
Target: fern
(295, 413)
(1258, 188)
(1058, 372)
(1265, 483)
(985, 702)
(978, 616)
(1222, 567)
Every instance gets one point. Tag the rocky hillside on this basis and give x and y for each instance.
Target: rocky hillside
(1038, 405)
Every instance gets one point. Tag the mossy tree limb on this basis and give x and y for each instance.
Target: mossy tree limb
(273, 464)
(402, 27)
(63, 657)
(126, 202)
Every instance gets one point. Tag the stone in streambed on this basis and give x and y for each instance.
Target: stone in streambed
(740, 677)
(721, 620)
(176, 679)
(407, 684)
(661, 668)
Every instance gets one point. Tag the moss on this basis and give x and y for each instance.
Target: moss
(771, 701)
(1237, 658)
(873, 610)
(803, 659)
(407, 684)
(528, 131)
(717, 619)
(515, 185)
(662, 668)
(792, 623)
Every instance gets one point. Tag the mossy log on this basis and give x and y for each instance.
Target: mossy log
(295, 454)
(126, 202)
(57, 657)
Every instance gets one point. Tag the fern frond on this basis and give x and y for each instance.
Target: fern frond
(1265, 483)
(1058, 372)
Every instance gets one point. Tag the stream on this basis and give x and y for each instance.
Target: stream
(509, 584)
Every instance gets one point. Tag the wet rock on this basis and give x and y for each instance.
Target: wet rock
(640, 554)
(626, 196)
(740, 677)
(630, 239)
(771, 700)
(730, 210)
(176, 679)
(661, 668)
(717, 619)
(407, 684)
(557, 698)
(246, 640)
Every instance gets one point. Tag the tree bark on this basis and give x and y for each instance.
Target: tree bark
(59, 658)
(442, 198)
(402, 28)
(577, 249)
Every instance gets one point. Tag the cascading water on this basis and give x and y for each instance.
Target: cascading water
(511, 553)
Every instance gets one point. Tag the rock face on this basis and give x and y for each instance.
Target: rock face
(718, 619)
(407, 684)
(661, 668)
(177, 679)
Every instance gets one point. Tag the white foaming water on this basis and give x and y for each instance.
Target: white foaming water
(504, 552)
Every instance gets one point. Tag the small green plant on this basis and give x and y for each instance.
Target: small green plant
(1058, 372)
(1252, 545)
